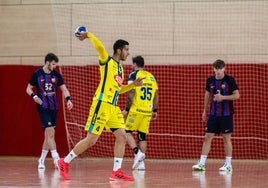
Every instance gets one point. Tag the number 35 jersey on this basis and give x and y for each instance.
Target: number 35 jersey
(144, 95)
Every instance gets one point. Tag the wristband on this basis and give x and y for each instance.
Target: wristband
(33, 95)
(154, 110)
(68, 98)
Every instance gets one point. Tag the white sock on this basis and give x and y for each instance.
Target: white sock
(55, 154)
(43, 155)
(202, 160)
(70, 157)
(117, 163)
(228, 161)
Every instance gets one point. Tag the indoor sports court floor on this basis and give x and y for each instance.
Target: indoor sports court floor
(22, 172)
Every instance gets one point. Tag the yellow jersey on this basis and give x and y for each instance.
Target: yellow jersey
(111, 74)
(144, 95)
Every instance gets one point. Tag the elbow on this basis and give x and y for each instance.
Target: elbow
(27, 90)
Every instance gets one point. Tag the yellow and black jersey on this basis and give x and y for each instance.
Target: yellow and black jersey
(111, 74)
(144, 95)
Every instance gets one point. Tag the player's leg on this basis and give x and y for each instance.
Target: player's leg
(131, 141)
(79, 148)
(142, 131)
(226, 130)
(117, 125)
(132, 122)
(45, 118)
(94, 128)
(50, 142)
(51, 137)
(211, 129)
(205, 150)
(44, 152)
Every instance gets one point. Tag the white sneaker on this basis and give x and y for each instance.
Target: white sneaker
(199, 167)
(139, 157)
(226, 168)
(141, 166)
(41, 164)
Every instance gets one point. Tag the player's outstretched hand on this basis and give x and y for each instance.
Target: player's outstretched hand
(82, 36)
(204, 116)
(138, 81)
(69, 105)
(154, 115)
(38, 100)
(218, 96)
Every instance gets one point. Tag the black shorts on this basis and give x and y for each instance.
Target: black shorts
(220, 124)
(48, 117)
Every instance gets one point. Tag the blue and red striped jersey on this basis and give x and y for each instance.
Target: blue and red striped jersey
(46, 85)
(226, 86)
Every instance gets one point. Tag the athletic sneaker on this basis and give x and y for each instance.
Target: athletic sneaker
(199, 167)
(139, 157)
(120, 175)
(41, 164)
(64, 169)
(226, 168)
(141, 166)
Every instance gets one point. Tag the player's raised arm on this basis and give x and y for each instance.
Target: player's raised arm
(100, 48)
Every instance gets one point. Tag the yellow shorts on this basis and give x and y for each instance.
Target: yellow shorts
(138, 122)
(102, 114)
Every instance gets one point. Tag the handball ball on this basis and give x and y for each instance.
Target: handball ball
(79, 30)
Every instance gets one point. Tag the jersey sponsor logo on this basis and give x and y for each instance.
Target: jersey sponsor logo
(131, 120)
(49, 93)
(118, 79)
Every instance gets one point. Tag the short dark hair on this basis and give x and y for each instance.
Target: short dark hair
(218, 64)
(51, 57)
(119, 44)
(138, 60)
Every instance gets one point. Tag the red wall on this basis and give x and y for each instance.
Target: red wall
(178, 131)
(20, 127)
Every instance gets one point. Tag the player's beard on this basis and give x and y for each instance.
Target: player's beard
(50, 67)
(123, 57)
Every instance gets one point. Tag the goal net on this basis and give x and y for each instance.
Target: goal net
(178, 131)
(179, 41)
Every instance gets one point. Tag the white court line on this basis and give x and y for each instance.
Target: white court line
(186, 136)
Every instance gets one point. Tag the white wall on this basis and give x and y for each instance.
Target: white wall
(172, 32)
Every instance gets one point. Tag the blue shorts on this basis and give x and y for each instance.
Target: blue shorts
(220, 124)
(48, 117)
